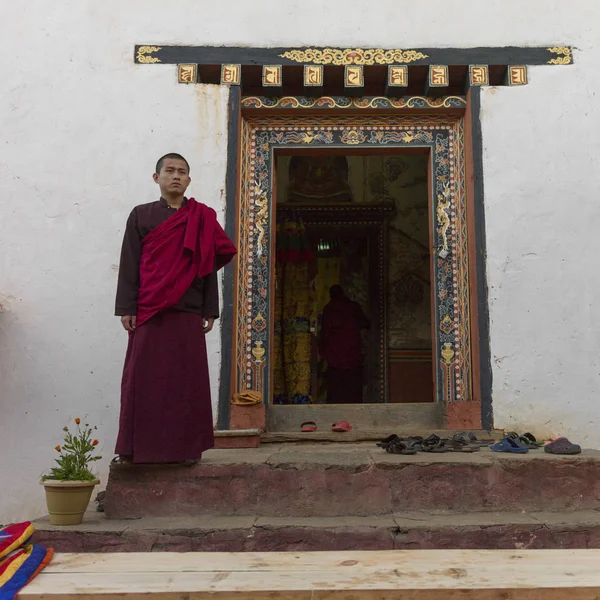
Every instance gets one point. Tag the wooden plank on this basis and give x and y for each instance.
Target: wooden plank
(420, 574)
(270, 562)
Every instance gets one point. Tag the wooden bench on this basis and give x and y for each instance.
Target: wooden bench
(389, 575)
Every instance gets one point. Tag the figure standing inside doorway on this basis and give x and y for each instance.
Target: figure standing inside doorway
(340, 346)
(167, 298)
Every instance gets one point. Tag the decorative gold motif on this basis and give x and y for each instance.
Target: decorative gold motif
(443, 219)
(438, 76)
(356, 56)
(479, 75)
(398, 76)
(447, 325)
(313, 75)
(447, 353)
(258, 351)
(517, 75)
(260, 220)
(354, 76)
(259, 323)
(231, 74)
(346, 102)
(565, 56)
(187, 73)
(271, 75)
(353, 137)
(143, 52)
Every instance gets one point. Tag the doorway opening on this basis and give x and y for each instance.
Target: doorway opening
(352, 318)
(269, 144)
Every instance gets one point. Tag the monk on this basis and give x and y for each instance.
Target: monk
(167, 298)
(340, 346)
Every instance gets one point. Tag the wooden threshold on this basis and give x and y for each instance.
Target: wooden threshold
(383, 575)
(393, 417)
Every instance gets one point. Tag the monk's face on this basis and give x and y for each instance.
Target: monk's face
(174, 177)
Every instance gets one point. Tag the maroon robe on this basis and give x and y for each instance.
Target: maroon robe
(168, 279)
(340, 346)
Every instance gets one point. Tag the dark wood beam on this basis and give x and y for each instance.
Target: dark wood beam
(206, 55)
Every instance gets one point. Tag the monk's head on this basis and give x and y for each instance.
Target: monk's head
(172, 175)
(336, 291)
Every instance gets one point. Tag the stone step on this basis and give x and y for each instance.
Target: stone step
(330, 480)
(543, 530)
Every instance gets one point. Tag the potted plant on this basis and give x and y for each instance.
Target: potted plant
(70, 483)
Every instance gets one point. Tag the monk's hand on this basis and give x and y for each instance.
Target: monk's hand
(128, 322)
(208, 324)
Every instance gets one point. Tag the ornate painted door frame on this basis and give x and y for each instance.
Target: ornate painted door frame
(261, 137)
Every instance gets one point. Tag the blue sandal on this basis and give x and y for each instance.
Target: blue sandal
(509, 444)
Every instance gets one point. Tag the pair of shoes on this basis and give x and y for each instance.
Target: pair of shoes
(521, 444)
(433, 444)
(510, 444)
(468, 437)
(460, 442)
(338, 426)
(527, 439)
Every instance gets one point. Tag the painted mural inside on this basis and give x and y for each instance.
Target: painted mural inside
(314, 253)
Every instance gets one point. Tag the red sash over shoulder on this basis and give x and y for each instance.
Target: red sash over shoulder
(187, 245)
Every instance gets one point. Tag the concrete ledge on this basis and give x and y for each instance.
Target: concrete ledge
(539, 530)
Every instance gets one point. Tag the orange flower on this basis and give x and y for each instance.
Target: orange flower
(95, 443)
(77, 420)
(57, 448)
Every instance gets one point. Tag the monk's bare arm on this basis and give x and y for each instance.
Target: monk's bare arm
(129, 273)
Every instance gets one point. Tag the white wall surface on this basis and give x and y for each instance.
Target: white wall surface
(81, 127)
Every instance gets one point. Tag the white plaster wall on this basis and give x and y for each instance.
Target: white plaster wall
(81, 127)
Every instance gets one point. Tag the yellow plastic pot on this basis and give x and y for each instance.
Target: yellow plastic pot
(67, 501)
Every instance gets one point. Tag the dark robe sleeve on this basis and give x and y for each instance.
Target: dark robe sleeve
(129, 269)
(210, 304)
(361, 318)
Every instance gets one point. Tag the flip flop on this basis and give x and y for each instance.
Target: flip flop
(412, 439)
(385, 442)
(400, 447)
(434, 444)
(562, 445)
(471, 438)
(523, 440)
(341, 426)
(308, 427)
(532, 439)
(463, 440)
(458, 443)
(509, 444)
